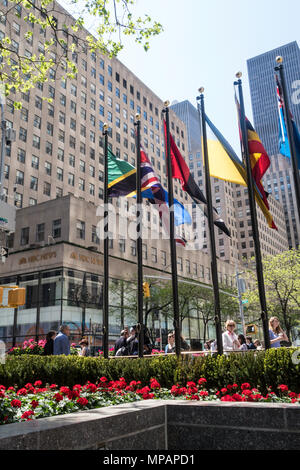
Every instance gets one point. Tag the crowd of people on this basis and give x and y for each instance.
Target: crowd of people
(128, 344)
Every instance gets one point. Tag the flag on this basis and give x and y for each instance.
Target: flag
(181, 171)
(259, 158)
(226, 165)
(122, 182)
(284, 147)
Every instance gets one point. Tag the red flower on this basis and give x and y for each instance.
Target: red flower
(2, 394)
(22, 391)
(16, 403)
(82, 401)
(202, 381)
(77, 387)
(229, 387)
(58, 397)
(195, 397)
(154, 384)
(224, 390)
(2, 387)
(245, 386)
(26, 414)
(34, 404)
(293, 395)
(203, 393)
(247, 393)
(29, 385)
(53, 386)
(64, 390)
(38, 383)
(103, 379)
(234, 385)
(227, 398)
(92, 388)
(283, 388)
(236, 397)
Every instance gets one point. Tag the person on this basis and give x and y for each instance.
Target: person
(276, 333)
(242, 341)
(250, 344)
(184, 346)
(121, 342)
(213, 345)
(257, 344)
(48, 348)
(85, 350)
(132, 342)
(61, 341)
(170, 347)
(230, 339)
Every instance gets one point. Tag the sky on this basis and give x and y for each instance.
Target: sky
(204, 43)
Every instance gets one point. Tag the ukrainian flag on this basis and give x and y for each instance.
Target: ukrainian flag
(224, 164)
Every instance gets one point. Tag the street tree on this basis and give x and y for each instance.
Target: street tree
(282, 284)
(64, 39)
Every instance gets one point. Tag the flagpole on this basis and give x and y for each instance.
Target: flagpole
(139, 241)
(258, 258)
(106, 246)
(214, 267)
(290, 132)
(172, 238)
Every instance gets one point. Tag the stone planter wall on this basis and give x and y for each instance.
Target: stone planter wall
(162, 425)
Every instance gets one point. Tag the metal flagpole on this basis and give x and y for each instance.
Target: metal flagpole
(139, 241)
(290, 132)
(214, 268)
(172, 239)
(106, 246)
(258, 259)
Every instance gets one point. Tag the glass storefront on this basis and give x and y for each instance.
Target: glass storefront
(75, 297)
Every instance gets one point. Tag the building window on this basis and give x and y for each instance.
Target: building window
(24, 236)
(95, 238)
(56, 228)
(47, 189)
(19, 177)
(18, 200)
(34, 183)
(40, 233)
(21, 155)
(80, 229)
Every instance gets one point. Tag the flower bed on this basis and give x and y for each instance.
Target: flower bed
(31, 346)
(35, 401)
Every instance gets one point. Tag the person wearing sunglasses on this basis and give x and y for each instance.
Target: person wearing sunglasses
(230, 339)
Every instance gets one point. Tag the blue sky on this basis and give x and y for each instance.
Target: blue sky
(205, 43)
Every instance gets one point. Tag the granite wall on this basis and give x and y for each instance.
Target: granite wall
(162, 425)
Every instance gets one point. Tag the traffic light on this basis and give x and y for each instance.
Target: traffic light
(251, 329)
(146, 289)
(16, 297)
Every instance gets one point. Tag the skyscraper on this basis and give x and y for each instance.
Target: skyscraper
(278, 180)
(263, 91)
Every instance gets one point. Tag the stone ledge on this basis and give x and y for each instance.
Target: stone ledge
(150, 424)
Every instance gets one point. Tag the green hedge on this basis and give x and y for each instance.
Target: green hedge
(264, 368)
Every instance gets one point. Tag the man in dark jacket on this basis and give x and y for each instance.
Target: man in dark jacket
(121, 342)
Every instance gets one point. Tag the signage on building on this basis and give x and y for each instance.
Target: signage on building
(86, 259)
(7, 217)
(37, 258)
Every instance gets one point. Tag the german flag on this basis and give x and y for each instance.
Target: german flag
(259, 158)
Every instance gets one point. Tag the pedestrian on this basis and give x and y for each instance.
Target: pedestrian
(184, 346)
(257, 344)
(61, 341)
(85, 350)
(276, 333)
(170, 347)
(121, 343)
(243, 344)
(48, 348)
(213, 345)
(250, 344)
(132, 342)
(230, 339)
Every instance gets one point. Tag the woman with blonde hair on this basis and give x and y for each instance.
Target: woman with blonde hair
(230, 339)
(276, 333)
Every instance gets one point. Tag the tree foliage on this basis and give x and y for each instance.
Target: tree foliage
(65, 38)
(282, 285)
